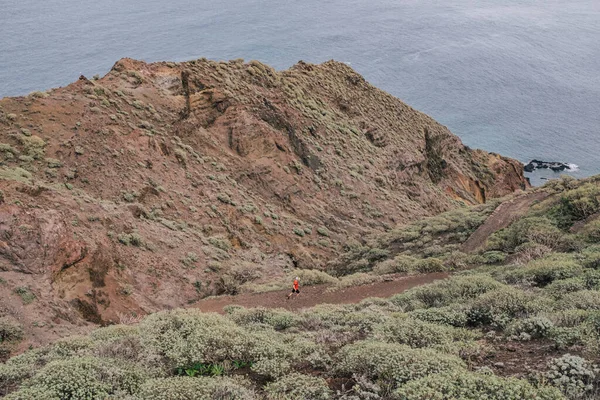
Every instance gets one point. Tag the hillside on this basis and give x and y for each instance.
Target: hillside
(160, 184)
(517, 319)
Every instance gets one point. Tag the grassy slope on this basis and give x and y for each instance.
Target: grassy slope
(539, 293)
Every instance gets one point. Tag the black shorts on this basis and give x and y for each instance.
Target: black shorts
(296, 291)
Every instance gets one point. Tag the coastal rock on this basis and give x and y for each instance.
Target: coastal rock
(553, 165)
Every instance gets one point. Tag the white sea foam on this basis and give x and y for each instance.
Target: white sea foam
(573, 167)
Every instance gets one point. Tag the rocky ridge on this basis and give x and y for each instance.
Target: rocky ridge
(163, 183)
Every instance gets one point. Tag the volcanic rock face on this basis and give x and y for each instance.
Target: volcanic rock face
(146, 189)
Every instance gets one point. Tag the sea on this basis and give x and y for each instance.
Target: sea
(516, 77)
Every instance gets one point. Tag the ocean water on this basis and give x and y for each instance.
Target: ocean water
(517, 77)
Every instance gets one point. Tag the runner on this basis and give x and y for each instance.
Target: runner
(295, 288)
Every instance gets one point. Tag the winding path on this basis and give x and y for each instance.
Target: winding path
(312, 295)
(502, 217)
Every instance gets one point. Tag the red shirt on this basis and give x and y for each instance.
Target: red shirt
(296, 285)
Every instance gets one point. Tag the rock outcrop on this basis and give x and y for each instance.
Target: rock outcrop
(553, 165)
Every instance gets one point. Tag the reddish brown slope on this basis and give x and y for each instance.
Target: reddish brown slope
(138, 191)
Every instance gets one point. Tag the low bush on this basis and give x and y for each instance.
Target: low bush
(357, 279)
(416, 334)
(575, 376)
(277, 318)
(591, 231)
(590, 257)
(559, 288)
(493, 257)
(428, 265)
(543, 271)
(442, 293)
(10, 330)
(399, 264)
(531, 328)
(582, 300)
(186, 388)
(449, 315)
(298, 386)
(83, 378)
(391, 365)
(311, 277)
(473, 386)
(498, 307)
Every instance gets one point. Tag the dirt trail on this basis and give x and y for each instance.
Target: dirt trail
(313, 295)
(502, 217)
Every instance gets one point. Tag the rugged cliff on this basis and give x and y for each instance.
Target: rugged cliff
(152, 186)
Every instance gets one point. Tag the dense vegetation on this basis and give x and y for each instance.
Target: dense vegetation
(537, 283)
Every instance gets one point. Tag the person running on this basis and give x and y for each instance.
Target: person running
(295, 288)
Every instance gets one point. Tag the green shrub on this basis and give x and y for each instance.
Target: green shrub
(185, 388)
(277, 318)
(444, 292)
(540, 230)
(86, 377)
(575, 376)
(428, 265)
(577, 204)
(493, 257)
(187, 337)
(392, 365)
(189, 261)
(133, 239)
(531, 328)
(590, 257)
(498, 307)
(10, 330)
(356, 279)
(472, 386)
(591, 231)
(400, 263)
(415, 333)
(582, 300)
(530, 251)
(543, 271)
(26, 294)
(559, 288)
(449, 315)
(311, 277)
(323, 231)
(298, 386)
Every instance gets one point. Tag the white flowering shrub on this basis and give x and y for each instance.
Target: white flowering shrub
(533, 328)
(498, 307)
(186, 388)
(277, 318)
(185, 337)
(114, 332)
(465, 385)
(446, 292)
(575, 376)
(449, 315)
(85, 378)
(333, 317)
(415, 333)
(298, 386)
(392, 365)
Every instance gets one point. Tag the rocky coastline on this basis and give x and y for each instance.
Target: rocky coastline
(553, 165)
